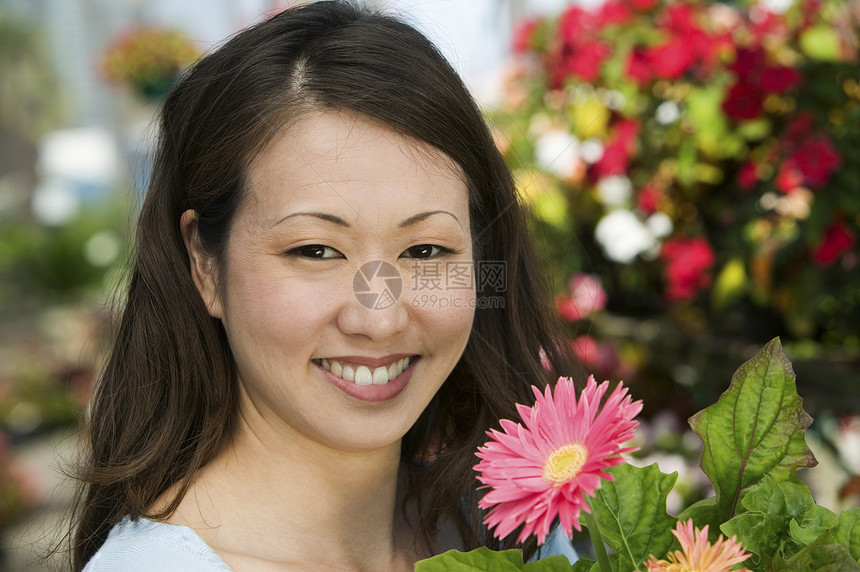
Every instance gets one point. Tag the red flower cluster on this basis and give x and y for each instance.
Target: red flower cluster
(688, 265)
(837, 241)
(584, 297)
(755, 79)
(747, 176)
(523, 35)
(729, 122)
(685, 45)
(599, 357)
(648, 199)
(810, 157)
(619, 149)
(580, 52)
(812, 163)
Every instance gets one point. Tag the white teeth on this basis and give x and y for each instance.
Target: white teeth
(363, 376)
(380, 376)
(348, 374)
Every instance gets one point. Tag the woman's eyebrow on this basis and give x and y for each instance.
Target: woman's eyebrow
(421, 216)
(324, 216)
(414, 219)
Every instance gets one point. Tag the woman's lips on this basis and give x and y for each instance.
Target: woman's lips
(375, 391)
(366, 371)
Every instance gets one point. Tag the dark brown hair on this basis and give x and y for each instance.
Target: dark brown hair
(166, 401)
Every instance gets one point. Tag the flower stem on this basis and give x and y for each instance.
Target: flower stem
(597, 542)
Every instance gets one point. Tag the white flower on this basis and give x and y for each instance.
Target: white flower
(614, 99)
(615, 191)
(583, 91)
(557, 152)
(776, 6)
(797, 204)
(622, 236)
(768, 201)
(591, 150)
(540, 123)
(667, 112)
(660, 224)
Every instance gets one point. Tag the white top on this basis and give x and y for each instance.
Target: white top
(148, 546)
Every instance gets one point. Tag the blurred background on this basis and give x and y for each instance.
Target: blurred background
(691, 167)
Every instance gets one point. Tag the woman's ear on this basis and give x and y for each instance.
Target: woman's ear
(203, 268)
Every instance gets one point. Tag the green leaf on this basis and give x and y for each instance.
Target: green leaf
(686, 163)
(764, 527)
(823, 555)
(755, 129)
(756, 428)
(816, 521)
(821, 43)
(730, 285)
(618, 565)
(631, 512)
(582, 565)
(551, 206)
(703, 109)
(707, 173)
(557, 563)
(847, 531)
(484, 559)
(480, 559)
(701, 512)
(781, 518)
(618, 562)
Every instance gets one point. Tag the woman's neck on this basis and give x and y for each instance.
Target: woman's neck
(287, 502)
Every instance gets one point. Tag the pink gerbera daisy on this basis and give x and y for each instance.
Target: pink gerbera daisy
(543, 469)
(698, 554)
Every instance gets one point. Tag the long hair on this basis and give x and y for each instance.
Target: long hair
(167, 399)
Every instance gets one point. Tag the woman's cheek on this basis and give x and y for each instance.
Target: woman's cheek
(283, 302)
(449, 314)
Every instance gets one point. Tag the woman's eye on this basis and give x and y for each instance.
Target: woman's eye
(318, 251)
(425, 251)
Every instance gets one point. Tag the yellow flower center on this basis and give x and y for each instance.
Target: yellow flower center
(565, 463)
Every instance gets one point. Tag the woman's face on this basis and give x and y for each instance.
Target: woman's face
(351, 252)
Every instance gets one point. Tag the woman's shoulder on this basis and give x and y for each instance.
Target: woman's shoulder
(145, 545)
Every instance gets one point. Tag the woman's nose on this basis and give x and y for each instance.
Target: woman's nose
(375, 308)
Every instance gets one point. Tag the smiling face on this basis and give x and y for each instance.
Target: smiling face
(315, 360)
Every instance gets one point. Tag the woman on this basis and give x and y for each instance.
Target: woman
(334, 296)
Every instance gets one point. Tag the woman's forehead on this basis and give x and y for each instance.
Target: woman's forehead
(326, 131)
(329, 144)
(342, 156)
